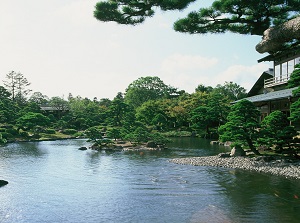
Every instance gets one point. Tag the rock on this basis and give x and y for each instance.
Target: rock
(227, 143)
(3, 183)
(151, 144)
(82, 148)
(224, 155)
(214, 143)
(237, 151)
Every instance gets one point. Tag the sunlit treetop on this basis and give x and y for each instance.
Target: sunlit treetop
(237, 16)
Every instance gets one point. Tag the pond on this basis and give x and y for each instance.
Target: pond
(53, 181)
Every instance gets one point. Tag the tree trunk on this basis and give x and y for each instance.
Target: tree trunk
(251, 146)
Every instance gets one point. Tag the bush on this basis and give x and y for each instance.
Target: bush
(6, 135)
(24, 134)
(36, 136)
(69, 131)
(2, 140)
(79, 134)
(12, 131)
(49, 131)
(177, 134)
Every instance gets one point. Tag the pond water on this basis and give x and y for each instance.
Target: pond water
(55, 182)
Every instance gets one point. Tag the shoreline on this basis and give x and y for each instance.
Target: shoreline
(280, 167)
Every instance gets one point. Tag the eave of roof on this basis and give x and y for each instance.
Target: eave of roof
(270, 96)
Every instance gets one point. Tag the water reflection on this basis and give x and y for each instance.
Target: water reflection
(56, 182)
(21, 149)
(256, 197)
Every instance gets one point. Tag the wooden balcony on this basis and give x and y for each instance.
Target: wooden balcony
(274, 81)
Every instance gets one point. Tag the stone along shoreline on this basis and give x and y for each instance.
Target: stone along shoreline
(276, 166)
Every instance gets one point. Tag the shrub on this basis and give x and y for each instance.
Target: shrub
(24, 134)
(69, 131)
(6, 135)
(2, 140)
(177, 134)
(12, 131)
(49, 131)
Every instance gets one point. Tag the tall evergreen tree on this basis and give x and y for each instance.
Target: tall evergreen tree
(242, 125)
(17, 85)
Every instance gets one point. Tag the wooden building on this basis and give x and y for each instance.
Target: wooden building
(270, 91)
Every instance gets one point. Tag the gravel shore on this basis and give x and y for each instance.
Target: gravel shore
(276, 166)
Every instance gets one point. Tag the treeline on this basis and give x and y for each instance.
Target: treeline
(148, 110)
(148, 106)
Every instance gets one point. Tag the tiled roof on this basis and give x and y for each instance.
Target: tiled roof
(271, 95)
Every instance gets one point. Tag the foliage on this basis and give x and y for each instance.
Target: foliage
(17, 85)
(69, 131)
(159, 138)
(2, 140)
(242, 125)
(30, 120)
(177, 134)
(94, 135)
(114, 133)
(39, 98)
(295, 111)
(203, 88)
(231, 90)
(138, 135)
(276, 131)
(237, 16)
(145, 89)
(118, 110)
(294, 81)
(132, 12)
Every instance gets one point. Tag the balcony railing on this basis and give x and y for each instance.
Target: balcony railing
(274, 81)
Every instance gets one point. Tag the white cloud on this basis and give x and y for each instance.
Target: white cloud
(187, 72)
(179, 63)
(243, 75)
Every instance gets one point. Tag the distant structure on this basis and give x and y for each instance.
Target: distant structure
(270, 91)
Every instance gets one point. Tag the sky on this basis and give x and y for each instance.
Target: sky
(61, 48)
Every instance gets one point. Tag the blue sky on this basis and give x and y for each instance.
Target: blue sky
(61, 48)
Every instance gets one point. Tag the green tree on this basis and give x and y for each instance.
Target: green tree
(231, 90)
(200, 119)
(237, 16)
(294, 81)
(118, 110)
(8, 108)
(59, 104)
(276, 131)
(31, 120)
(94, 135)
(203, 88)
(242, 125)
(17, 85)
(148, 111)
(139, 135)
(114, 133)
(145, 89)
(39, 98)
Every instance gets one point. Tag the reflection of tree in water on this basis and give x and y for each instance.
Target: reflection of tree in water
(22, 149)
(260, 197)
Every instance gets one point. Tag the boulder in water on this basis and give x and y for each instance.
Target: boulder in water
(3, 183)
